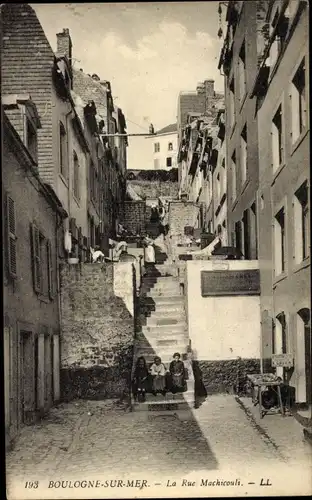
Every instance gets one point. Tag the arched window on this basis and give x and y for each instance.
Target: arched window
(76, 176)
(170, 146)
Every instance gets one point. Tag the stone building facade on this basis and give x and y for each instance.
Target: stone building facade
(86, 170)
(62, 148)
(203, 101)
(219, 183)
(32, 215)
(198, 157)
(281, 87)
(110, 155)
(239, 62)
(163, 147)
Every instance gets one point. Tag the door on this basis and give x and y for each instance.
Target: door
(27, 378)
(307, 342)
(303, 357)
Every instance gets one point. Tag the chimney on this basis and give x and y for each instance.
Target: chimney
(209, 88)
(64, 44)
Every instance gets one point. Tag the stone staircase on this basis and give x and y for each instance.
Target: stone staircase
(162, 331)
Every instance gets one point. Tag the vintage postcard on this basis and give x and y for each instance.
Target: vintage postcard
(156, 214)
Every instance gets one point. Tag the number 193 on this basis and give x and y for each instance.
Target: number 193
(31, 484)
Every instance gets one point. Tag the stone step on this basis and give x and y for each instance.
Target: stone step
(155, 294)
(161, 350)
(168, 309)
(160, 317)
(165, 341)
(169, 403)
(161, 320)
(168, 300)
(162, 331)
(166, 282)
(167, 350)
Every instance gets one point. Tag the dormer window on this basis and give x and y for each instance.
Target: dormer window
(31, 138)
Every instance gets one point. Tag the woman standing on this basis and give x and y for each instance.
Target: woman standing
(158, 372)
(149, 253)
(177, 372)
(140, 382)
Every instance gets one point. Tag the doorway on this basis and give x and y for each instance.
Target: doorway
(27, 378)
(303, 358)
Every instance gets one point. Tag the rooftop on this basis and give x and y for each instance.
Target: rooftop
(169, 129)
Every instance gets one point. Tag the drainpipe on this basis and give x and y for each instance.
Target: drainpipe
(59, 222)
(67, 129)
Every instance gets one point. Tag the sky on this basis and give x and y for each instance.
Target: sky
(148, 51)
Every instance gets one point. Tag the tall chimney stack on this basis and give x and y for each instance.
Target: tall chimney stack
(209, 88)
(64, 44)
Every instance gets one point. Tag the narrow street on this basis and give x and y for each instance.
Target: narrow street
(103, 440)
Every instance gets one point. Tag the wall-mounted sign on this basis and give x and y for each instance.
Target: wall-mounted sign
(283, 360)
(229, 282)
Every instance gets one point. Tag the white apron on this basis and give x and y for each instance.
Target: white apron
(149, 254)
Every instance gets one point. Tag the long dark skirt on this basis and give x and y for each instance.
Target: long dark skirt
(141, 385)
(159, 383)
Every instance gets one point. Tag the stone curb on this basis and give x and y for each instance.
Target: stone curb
(260, 430)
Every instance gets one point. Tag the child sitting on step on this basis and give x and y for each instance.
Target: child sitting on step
(158, 372)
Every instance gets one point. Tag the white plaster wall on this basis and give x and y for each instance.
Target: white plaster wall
(123, 284)
(221, 328)
(164, 151)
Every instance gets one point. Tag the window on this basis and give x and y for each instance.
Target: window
(244, 155)
(156, 164)
(223, 175)
(292, 8)
(42, 265)
(231, 104)
(43, 255)
(279, 242)
(279, 339)
(277, 139)
(253, 231)
(233, 166)
(298, 102)
(301, 221)
(93, 182)
(218, 183)
(11, 261)
(63, 151)
(238, 235)
(246, 230)
(31, 139)
(170, 146)
(242, 72)
(76, 176)
(276, 43)
(169, 161)
(157, 147)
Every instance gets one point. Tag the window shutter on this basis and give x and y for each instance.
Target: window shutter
(35, 257)
(11, 237)
(50, 270)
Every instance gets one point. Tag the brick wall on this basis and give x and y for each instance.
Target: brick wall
(26, 68)
(135, 216)
(97, 334)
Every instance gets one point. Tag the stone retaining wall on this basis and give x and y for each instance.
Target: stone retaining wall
(97, 333)
(225, 376)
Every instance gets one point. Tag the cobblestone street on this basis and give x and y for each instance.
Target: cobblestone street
(103, 440)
